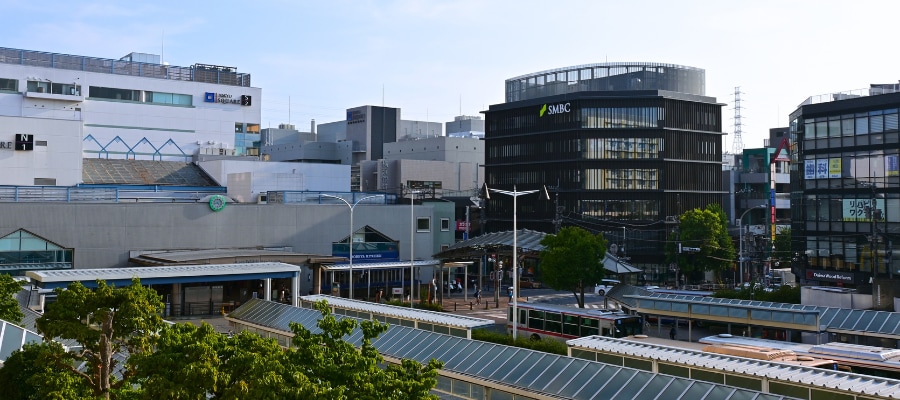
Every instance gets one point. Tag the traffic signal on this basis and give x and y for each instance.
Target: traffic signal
(245, 100)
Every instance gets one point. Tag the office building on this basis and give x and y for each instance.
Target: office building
(621, 146)
(845, 187)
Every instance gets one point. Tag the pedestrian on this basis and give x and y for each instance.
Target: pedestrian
(672, 333)
(509, 292)
(477, 295)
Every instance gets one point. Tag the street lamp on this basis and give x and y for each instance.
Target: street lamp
(741, 241)
(412, 237)
(515, 262)
(350, 238)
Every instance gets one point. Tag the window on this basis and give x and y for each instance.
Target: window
(11, 85)
(137, 95)
(238, 127)
(445, 224)
(54, 88)
(423, 224)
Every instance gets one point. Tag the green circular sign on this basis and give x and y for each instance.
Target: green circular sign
(217, 202)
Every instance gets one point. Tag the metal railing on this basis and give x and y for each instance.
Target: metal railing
(197, 73)
(75, 194)
(849, 94)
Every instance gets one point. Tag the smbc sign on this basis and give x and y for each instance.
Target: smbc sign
(558, 108)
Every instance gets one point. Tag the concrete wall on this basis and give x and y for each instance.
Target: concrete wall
(103, 234)
(59, 159)
(835, 297)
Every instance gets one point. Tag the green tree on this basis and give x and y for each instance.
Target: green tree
(707, 230)
(342, 371)
(783, 246)
(104, 321)
(191, 362)
(573, 260)
(34, 372)
(9, 306)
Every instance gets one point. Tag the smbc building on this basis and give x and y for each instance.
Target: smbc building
(623, 148)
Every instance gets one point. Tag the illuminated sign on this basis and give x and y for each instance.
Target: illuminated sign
(225, 98)
(831, 276)
(555, 109)
(356, 117)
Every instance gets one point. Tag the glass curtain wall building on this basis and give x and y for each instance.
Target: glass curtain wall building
(846, 188)
(618, 147)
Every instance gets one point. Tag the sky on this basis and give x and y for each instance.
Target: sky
(437, 59)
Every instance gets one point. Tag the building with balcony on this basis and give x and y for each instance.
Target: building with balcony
(845, 188)
(622, 147)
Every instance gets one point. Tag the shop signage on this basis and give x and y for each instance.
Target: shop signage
(830, 276)
(24, 141)
(555, 108)
(225, 98)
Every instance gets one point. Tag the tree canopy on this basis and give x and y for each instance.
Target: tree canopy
(183, 361)
(104, 321)
(707, 230)
(573, 260)
(9, 306)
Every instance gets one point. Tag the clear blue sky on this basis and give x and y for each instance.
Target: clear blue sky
(437, 59)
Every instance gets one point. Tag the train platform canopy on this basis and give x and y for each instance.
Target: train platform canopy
(474, 248)
(164, 275)
(379, 265)
(883, 324)
(405, 313)
(225, 256)
(818, 377)
(529, 373)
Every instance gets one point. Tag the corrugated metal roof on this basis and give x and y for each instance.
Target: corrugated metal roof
(859, 384)
(862, 322)
(529, 370)
(109, 274)
(525, 239)
(432, 317)
(143, 172)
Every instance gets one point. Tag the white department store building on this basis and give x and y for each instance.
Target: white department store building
(56, 109)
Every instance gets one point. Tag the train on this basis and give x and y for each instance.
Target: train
(563, 323)
(869, 360)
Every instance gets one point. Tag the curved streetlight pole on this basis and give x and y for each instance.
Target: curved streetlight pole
(741, 242)
(350, 238)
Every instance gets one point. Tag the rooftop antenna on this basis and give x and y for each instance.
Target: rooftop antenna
(289, 110)
(737, 144)
(460, 104)
(382, 95)
(162, 48)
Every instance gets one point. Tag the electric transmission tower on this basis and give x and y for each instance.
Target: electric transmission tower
(737, 146)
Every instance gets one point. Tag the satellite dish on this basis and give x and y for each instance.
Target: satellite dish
(613, 248)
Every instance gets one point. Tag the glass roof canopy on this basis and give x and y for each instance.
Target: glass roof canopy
(526, 370)
(13, 337)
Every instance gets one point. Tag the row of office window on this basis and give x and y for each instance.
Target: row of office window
(852, 253)
(864, 167)
(852, 124)
(622, 117)
(621, 179)
(140, 96)
(611, 148)
(620, 209)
